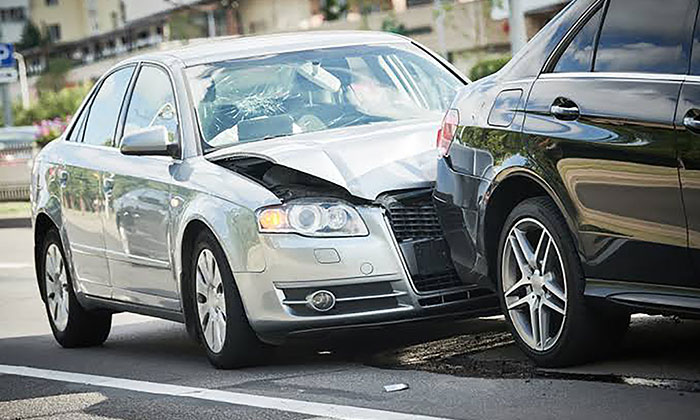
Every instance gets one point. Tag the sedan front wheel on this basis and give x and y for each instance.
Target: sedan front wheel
(222, 325)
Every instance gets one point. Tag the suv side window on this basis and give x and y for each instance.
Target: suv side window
(104, 111)
(578, 56)
(646, 36)
(152, 103)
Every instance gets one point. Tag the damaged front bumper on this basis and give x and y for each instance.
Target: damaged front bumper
(381, 278)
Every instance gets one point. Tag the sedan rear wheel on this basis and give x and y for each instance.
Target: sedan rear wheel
(541, 287)
(71, 324)
(534, 281)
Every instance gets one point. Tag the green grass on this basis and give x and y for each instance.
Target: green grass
(13, 209)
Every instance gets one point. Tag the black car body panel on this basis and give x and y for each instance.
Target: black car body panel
(613, 149)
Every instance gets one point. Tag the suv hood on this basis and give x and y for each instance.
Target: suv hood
(366, 160)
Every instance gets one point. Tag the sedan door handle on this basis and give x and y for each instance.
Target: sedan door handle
(692, 123)
(565, 109)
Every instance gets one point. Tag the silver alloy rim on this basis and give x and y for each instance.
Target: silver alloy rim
(534, 284)
(211, 302)
(56, 287)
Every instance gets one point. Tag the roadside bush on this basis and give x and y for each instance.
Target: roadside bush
(487, 67)
(52, 105)
(49, 130)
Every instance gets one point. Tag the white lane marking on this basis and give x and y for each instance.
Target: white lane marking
(14, 266)
(259, 401)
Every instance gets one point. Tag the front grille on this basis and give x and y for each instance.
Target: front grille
(414, 221)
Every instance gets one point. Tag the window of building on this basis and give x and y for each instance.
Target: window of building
(54, 32)
(578, 56)
(51, 2)
(104, 111)
(643, 36)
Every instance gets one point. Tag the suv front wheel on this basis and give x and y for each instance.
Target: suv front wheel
(541, 284)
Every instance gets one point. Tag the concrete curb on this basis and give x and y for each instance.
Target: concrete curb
(16, 222)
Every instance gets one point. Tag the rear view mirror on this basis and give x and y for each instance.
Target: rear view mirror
(151, 141)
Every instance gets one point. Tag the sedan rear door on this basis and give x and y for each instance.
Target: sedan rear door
(600, 121)
(80, 177)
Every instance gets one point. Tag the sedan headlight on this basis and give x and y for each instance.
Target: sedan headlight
(312, 218)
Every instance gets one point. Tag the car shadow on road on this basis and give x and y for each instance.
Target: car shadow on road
(654, 348)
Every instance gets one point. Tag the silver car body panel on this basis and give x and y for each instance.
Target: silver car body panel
(366, 160)
(122, 219)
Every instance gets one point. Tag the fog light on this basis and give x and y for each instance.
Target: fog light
(321, 301)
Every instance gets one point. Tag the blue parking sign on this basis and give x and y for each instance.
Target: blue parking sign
(6, 57)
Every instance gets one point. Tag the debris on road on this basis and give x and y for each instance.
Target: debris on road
(395, 387)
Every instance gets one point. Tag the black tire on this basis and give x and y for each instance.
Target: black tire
(241, 345)
(83, 328)
(588, 328)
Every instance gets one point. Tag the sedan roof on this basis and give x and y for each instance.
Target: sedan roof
(229, 48)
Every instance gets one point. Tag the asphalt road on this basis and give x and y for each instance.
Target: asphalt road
(463, 370)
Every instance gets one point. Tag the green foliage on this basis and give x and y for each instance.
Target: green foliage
(183, 26)
(31, 37)
(487, 67)
(54, 78)
(391, 24)
(52, 105)
(334, 9)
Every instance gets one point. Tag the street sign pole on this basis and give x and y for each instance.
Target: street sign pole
(8, 74)
(7, 104)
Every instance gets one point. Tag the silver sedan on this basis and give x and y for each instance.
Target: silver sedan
(255, 189)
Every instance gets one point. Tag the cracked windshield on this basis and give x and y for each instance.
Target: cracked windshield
(272, 96)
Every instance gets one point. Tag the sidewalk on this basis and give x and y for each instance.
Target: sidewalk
(15, 214)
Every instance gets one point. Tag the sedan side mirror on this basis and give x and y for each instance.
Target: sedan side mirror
(151, 141)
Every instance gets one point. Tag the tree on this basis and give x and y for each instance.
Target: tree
(334, 9)
(54, 78)
(31, 37)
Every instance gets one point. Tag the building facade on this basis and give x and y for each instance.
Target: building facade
(13, 18)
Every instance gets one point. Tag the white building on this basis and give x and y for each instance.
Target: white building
(13, 16)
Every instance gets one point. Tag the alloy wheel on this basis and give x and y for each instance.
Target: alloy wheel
(534, 284)
(211, 302)
(56, 279)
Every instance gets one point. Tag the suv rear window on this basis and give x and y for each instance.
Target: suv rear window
(646, 36)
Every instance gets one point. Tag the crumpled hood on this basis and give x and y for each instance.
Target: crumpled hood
(366, 160)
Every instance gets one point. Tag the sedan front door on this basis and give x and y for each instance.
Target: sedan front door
(137, 218)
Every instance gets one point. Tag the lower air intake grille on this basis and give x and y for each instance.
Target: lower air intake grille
(435, 282)
(415, 224)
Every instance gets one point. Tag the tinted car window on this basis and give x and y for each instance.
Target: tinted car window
(104, 110)
(646, 36)
(695, 60)
(79, 128)
(578, 56)
(152, 103)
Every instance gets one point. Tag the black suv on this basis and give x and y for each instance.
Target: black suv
(570, 182)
